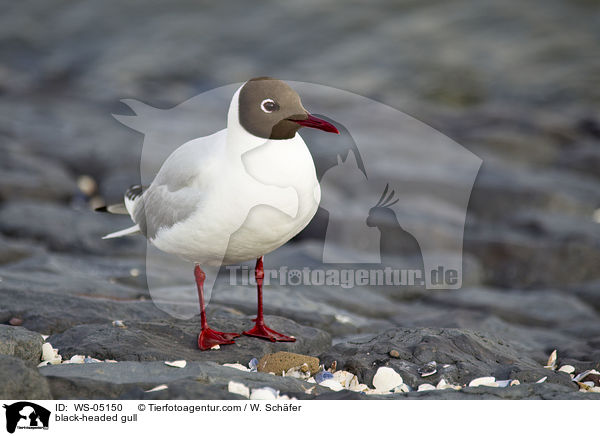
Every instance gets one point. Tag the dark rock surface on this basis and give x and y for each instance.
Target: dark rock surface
(461, 355)
(20, 342)
(176, 339)
(19, 380)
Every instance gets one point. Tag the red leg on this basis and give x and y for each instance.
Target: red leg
(260, 330)
(208, 337)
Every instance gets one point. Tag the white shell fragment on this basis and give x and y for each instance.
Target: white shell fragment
(584, 374)
(515, 383)
(551, 364)
(47, 352)
(158, 388)
(76, 359)
(238, 388)
(543, 379)
(426, 387)
(484, 381)
(215, 347)
(177, 363)
(237, 366)
(118, 323)
(402, 388)
(428, 369)
(569, 369)
(263, 394)
(386, 379)
(332, 384)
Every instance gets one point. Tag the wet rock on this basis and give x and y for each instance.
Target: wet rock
(281, 361)
(198, 380)
(178, 340)
(65, 229)
(468, 355)
(21, 380)
(20, 342)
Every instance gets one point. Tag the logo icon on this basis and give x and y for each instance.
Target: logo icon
(26, 415)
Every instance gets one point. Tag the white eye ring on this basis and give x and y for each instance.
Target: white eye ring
(264, 102)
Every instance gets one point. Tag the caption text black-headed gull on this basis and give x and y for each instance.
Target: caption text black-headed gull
(235, 195)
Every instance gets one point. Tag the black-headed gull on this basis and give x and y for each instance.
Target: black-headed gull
(235, 195)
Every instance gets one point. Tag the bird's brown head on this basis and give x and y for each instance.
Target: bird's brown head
(271, 109)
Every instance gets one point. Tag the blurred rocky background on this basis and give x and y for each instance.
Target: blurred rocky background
(516, 83)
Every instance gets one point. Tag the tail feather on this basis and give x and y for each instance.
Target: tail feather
(125, 232)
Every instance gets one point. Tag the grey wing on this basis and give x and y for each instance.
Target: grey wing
(160, 208)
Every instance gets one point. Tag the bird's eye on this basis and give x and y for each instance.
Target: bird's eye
(268, 105)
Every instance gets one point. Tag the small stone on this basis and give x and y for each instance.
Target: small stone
(386, 379)
(282, 361)
(87, 185)
(394, 353)
(177, 363)
(215, 347)
(16, 322)
(119, 323)
(238, 388)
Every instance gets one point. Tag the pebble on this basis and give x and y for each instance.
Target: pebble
(394, 353)
(15, 322)
(483, 381)
(386, 379)
(238, 388)
(119, 323)
(177, 363)
(280, 362)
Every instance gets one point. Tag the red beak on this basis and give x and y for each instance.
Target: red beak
(317, 123)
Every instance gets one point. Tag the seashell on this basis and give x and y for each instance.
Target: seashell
(589, 383)
(322, 376)
(158, 388)
(595, 389)
(428, 369)
(515, 382)
(215, 347)
(426, 387)
(311, 380)
(386, 379)
(503, 383)
(551, 364)
(265, 393)
(238, 388)
(43, 363)
(543, 379)
(76, 359)
(483, 381)
(48, 352)
(110, 361)
(119, 323)
(178, 363)
(332, 384)
(584, 374)
(236, 366)
(345, 378)
(253, 364)
(90, 360)
(567, 368)
(403, 388)
(358, 387)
